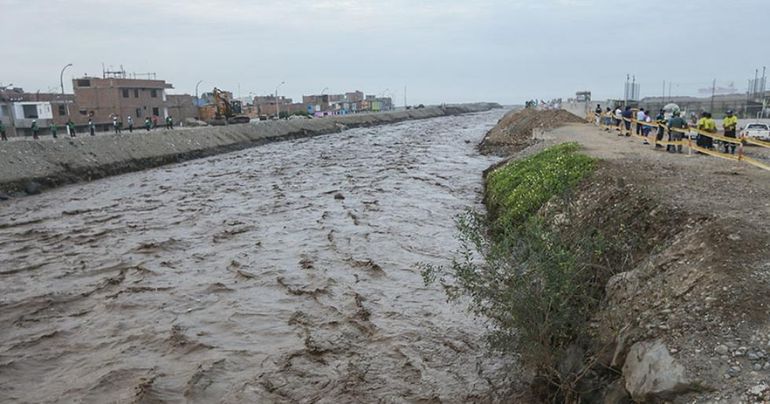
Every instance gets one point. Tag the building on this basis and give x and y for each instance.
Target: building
(18, 109)
(101, 99)
(269, 105)
(181, 106)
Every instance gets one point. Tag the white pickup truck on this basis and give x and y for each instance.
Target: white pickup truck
(759, 131)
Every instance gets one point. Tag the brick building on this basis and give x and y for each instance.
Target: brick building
(102, 98)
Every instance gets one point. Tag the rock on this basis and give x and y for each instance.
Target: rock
(651, 373)
(757, 366)
(759, 391)
(32, 188)
(753, 356)
(339, 196)
(615, 393)
(722, 349)
(4, 196)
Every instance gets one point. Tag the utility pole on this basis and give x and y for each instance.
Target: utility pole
(405, 97)
(713, 93)
(663, 101)
(277, 105)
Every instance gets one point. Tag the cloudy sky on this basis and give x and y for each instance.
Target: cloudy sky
(441, 50)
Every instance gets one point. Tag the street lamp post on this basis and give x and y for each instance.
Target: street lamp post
(61, 77)
(277, 105)
(197, 100)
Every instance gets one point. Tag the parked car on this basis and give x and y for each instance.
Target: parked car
(757, 130)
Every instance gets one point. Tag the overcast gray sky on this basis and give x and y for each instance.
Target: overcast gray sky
(442, 50)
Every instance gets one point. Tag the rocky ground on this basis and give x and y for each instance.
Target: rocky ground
(686, 320)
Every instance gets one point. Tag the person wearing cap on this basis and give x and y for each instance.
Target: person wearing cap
(676, 122)
(729, 123)
(35, 129)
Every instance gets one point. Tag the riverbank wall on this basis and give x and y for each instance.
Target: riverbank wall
(30, 166)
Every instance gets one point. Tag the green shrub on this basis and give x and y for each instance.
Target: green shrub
(537, 284)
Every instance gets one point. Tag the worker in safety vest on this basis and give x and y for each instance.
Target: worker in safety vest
(729, 123)
(706, 124)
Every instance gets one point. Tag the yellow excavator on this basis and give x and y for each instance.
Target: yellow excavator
(226, 113)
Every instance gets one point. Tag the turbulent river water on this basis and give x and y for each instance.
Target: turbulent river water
(282, 273)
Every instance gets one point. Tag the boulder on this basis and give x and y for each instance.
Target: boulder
(652, 374)
(32, 188)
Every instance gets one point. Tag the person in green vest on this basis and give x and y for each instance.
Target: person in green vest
(2, 132)
(71, 127)
(147, 123)
(35, 129)
(54, 129)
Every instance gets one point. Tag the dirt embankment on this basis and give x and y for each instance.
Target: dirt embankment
(28, 166)
(685, 316)
(514, 131)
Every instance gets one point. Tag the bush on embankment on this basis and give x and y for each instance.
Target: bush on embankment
(541, 278)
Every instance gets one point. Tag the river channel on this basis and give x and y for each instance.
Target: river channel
(282, 273)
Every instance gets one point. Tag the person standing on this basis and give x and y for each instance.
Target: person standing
(170, 122)
(676, 122)
(660, 119)
(628, 116)
(71, 127)
(147, 123)
(130, 124)
(35, 129)
(54, 130)
(115, 124)
(729, 123)
(2, 132)
(640, 118)
(706, 124)
(91, 127)
(598, 114)
(154, 121)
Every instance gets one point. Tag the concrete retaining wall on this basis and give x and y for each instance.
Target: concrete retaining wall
(26, 166)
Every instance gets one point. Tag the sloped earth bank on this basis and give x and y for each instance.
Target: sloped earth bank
(282, 273)
(685, 315)
(28, 166)
(514, 132)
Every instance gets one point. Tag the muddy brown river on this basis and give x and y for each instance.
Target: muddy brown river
(282, 273)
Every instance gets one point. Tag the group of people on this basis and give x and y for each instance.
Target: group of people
(117, 126)
(675, 125)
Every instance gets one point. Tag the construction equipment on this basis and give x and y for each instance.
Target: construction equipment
(226, 111)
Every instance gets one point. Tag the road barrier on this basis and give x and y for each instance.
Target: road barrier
(688, 133)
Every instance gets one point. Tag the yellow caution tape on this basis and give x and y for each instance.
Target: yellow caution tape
(756, 142)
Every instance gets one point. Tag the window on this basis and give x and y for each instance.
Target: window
(138, 113)
(84, 83)
(154, 93)
(155, 111)
(62, 110)
(83, 112)
(125, 93)
(30, 111)
(136, 93)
